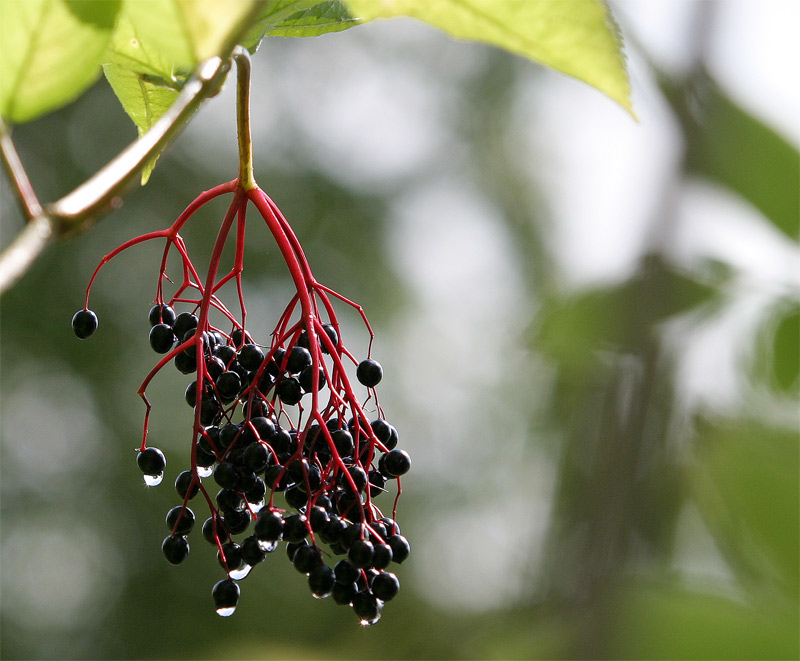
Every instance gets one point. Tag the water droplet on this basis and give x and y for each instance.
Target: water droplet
(226, 612)
(374, 620)
(267, 547)
(204, 471)
(153, 480)
(239, 574)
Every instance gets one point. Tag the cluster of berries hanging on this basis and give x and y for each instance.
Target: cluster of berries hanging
(283, 448)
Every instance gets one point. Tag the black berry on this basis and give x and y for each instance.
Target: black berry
(175, 549)
(151, 461)
(396, 463)
(180, 520)
(162, 314)
(226, 596)
(369, 373)
(84, 323)
(161, 338)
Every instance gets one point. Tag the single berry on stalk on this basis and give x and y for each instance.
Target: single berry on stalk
(84, 324)
(226, 596)
(175, 549)
(162, 314)
(369, 373)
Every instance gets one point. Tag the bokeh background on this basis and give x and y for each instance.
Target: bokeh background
(589, 329)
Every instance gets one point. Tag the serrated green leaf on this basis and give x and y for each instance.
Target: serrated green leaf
(165, 37)
(576, 37)
(50, 52)
(144, 101)
(299, 18)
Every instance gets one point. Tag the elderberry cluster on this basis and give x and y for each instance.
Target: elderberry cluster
(309, 485)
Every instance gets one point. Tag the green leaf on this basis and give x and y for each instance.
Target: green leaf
(143, 100)
(50, 52)
(576, 37)
(777, 361)
(747, 485)
(166, 37)
(299, 18)
(157, 44)
(663, 620)
(728, 144)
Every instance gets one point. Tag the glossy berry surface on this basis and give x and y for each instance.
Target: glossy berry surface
(369, 373)
(175, 549)
(151, 461)
(161, 338)
(180, 520)
(84, 324)
(162, 314)
(397, 463)
(225, 595)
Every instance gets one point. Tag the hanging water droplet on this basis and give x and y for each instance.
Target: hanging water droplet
(267, 547)
(226, 612)
(239, 574)
(153, 480)
(204, 471)
(368, 623)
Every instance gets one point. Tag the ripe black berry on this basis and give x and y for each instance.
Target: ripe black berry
(400, 547)
(184, 485)
(360, 553)
(175, 549)
(306, 558)
(184, 322)
(209, 530)
(318, 518)
(299, 358)
(320, 580)
(269, 526)
(306, 378)
(161, 338)
(343, 593)
(237, 521)
(233, 556)
(84, 324)
(289, 391)
(382, 557)
(345, 572)
(252, 553)
(180, 520)
(396, 463)
(226, 475)
(385, 586)
(295, 527)
(250, 357)
(151, 461)
(226, 596)
(225, 353)
(238, 337)
(162, 314)
(369, 373)
(256, 457)
(186, 363)
(343, 441)
(367, 606)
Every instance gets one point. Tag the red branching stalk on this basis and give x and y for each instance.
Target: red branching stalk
(268, 394)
